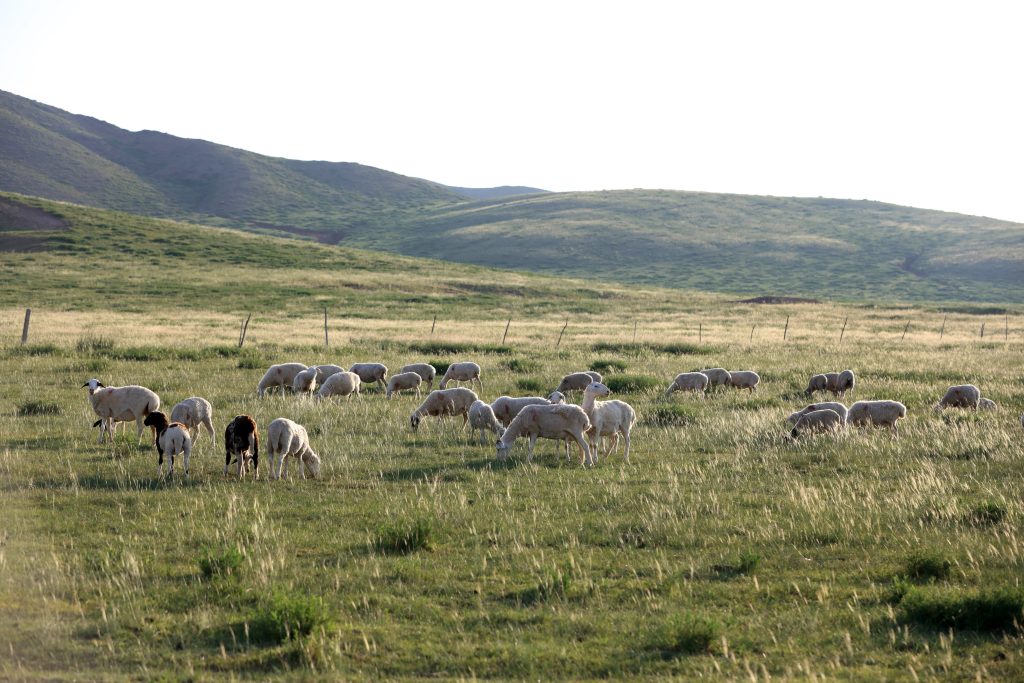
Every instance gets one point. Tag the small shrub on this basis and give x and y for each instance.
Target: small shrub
(530, 384)
(37, 350)
(625, 384)
(94, 345)
(251, 361)
(402, 539)
(39, 408)
(925, 565)
(441, 366)
(670, 415)
(606, 365)
(225, 561)
(745, 564)
(686, 634)
(988, 610)
(522, 365)
(553, 586)
(988, 513)
(287, 616)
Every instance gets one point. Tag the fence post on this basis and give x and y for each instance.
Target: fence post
(843, 331)
(634, 332)
(432, 325)
(905, 331)
(785, 331)
(245, 328)
(751, 333)
(943, 325)
(24, 328)
(506, 331)
(327, 343)
(561, 333)
(700, 333)
(983, 330)
(1006, 329)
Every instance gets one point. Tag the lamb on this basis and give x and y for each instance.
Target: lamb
(371, 372)
(718, 377)
(193, 412)
(506, 407)
(289, 439)
(461, 372)
(481, 417)
(556, 397)
(325, 371)
(744, 379)
(404, 381)
(846, 382)
(607, 418)
(578, 381)
(305, 381)
(960, 396)
(880, 413)
(696, 382)
(441, 402)
(987, 404)
(281, 375)
(171, 438)
(120, 404)
(340, 384)
(242, 440)
(425, 370)
(839, 408)
(838, 383)
(559, 422)
(820, 421)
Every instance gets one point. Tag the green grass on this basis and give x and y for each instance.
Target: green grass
(990, 609)
(632, 383)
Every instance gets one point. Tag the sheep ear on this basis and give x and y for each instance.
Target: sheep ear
(101, 384)
(85, 385)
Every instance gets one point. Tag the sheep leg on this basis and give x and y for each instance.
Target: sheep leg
(585, 452)
(208, 422)
(138, 428)
(625, 435)
(188, 453)
(533, 442)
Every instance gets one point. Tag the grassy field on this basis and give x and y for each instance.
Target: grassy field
(720, 550)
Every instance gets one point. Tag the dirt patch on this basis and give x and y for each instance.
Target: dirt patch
(777, 300)
(24, 228)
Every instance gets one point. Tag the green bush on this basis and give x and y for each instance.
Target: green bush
(522, 365)
(287, 616)
(401, 539)
(670, 415)
(999, 609)
(745, 564)
(987, 513)
(39, 408)
(441, 366)
(222, 562)
(927, 565)
(606, 365)
(530, 384)
(686, 634)
(625, 384)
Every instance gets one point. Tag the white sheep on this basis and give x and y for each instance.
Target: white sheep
(442, 402)
(326, 370)
(607, 418)
(960, 396)
(404, 381)
(289, 439)
(839, 408)
(987, 404)
(717, 377)
(281, 375)
(846, 383)
(817, 421)
(461, 372)
(171, 438)
(559, 422)
(744, 379)
(120, 404)
(696, 382)
(880, 413)
(481, 417)
(426, 371)
(371, 372)
(340, 384)
(194, 412)
(305, 381)
(578, 381)
(507, 407)
(838, 383)
(556, 397)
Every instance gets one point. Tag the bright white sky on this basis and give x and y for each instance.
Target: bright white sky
(918, 103)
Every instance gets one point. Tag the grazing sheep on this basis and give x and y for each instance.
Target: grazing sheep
(837, 407)
(305, 381)
(325, 371)
(578, 381)
(120, 404)
(404, 381)
(193, 412)
(281, 376)
(481, 417)
(960, 396)
(696, 382)
(987, 404)
(242, 440)
(559, 422)
(171, 438)
(846, 382)
(342, 383)
(425, 370)
(744, 379)
(461, 372)
(820, 421)
(506, 407)
(441, 402)
(838, 383)
(289, 439)
(371, 372)
(718, 377)
(607, 418)
(556, 397)
(880, 413)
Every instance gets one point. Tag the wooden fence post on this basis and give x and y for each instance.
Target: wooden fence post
(1006, 329)
(245, 328)
(327, 343)
(905, 331)
(700, 333)
(943, 330)
(983, 330)
(24, 328)
(561, 333)
(506, 331)
(785, 331)
(634, 332)
(432, 326)
(843, 331)
(752, 333)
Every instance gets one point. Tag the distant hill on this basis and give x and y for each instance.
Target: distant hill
(495, 192)
(746, 245)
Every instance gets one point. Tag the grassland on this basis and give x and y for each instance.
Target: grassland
(719, 551)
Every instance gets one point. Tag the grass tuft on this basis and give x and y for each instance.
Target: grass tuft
(39, 408)
(522, 365)
(223, 562)
(606, 365)
(685, 634)
(999, 609)
(286, 616)
(530, 384)
(625, 384)
(745, 564)
(924, 565)
(987, 513)
(671, 415)
(399, 538)
(94, 345)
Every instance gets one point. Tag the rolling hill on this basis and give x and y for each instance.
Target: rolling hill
(823, 248)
